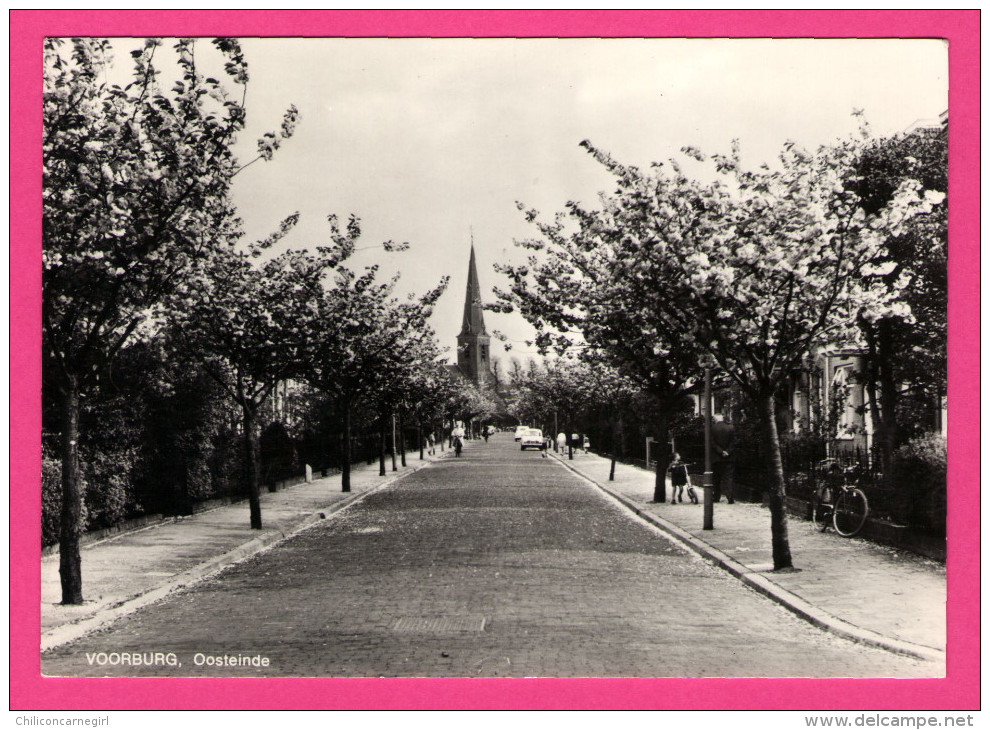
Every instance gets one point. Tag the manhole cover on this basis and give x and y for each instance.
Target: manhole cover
(438, 624)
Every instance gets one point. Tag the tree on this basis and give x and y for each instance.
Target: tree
(420, 385)
(135, 192)
(558, 392)
(431, 387)
(355, 329)
(754, 269)
(590, 285)
(465, 402)
(609, 393)
(247, 323)
(906, 358)
(773, 269)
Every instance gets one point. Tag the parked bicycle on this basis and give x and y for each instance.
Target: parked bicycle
(839, 501)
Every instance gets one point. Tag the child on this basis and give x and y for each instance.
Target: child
(679, 479)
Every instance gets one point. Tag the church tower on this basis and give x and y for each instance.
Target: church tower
(473, 357)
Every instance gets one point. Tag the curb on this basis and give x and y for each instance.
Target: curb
(60, 635)
(792, 602)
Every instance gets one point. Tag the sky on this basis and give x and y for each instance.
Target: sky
(433, 141)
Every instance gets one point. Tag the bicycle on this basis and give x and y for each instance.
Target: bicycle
(844, 505)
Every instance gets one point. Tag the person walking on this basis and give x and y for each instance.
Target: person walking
(561, 442)
(724, 462)
(457, 435)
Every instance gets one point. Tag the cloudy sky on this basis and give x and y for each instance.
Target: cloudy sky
(429, 140)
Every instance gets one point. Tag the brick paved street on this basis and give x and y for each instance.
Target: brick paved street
(498, 563)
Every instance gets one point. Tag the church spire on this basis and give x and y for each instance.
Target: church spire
(472, 342)
(474, 320)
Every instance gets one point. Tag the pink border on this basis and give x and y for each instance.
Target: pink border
(960, 690)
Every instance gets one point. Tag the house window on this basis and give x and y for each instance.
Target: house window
(842, 403)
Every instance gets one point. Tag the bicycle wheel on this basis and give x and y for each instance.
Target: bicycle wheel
(821, 508)
(851, 510)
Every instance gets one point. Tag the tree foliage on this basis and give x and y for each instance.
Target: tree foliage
(906, 370)
(358, 335)
(754, 269)
(136, 180)
(247, 322)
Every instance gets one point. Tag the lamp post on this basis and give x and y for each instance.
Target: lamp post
(707, 480)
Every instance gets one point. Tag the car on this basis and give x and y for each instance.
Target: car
(532, 439)
(520, 431)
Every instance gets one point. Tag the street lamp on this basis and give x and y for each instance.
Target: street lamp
(707, 479)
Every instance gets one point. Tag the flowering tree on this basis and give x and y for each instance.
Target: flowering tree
(402, 377)
(906, 353)
(778, 264)
(569, 392)
(424, 384)
(556, 392)
(754, 269)
(135, 192)
(593, 284)
(611, 393)
(430, 385)
(355, 331)
(465, 402)
(247, 322)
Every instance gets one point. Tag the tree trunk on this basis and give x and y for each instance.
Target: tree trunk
(614, 424)
(882, 390)
(392, 443)
(611, 469)
(251, 467)
(775, 482)
(70, 561)
(381, 446)
(345, 462)
(663, 458)
(888, 398)
(419, 437)
(872, 378)
(402, 436)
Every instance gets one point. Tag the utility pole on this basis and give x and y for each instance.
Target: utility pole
(394, 466)
(708, 481)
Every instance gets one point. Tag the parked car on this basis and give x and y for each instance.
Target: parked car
(532, 439)
(520, 432)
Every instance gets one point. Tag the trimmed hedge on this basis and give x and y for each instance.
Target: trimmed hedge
(919, 469)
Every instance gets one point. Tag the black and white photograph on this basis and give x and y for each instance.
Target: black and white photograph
(494, 357)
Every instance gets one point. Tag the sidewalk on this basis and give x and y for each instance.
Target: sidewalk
(136, 568)
(851, 587)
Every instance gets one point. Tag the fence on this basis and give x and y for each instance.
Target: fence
(805, 468)
(808, 464)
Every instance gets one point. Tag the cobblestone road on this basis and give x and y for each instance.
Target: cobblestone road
(498, 563)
